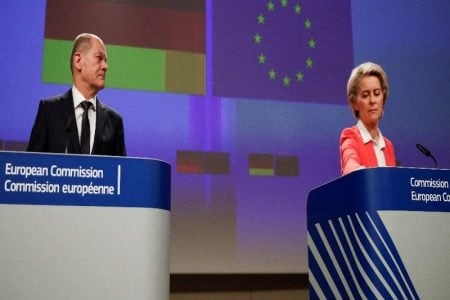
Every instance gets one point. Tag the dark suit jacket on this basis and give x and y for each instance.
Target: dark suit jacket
(55, 128)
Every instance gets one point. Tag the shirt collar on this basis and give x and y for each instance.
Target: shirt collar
(366, 137)
(78, 98)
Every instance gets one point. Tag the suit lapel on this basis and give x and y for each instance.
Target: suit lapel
(100, 123)
(72, 141)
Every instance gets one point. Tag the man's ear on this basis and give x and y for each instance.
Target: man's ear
(77, 61)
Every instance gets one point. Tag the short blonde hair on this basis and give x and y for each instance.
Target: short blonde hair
(358, 73)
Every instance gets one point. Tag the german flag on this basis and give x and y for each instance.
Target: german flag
(152, 45)
(261, 164)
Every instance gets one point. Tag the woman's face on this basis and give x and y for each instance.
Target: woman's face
(369, 101)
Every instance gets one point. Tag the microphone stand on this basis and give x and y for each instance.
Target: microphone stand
(427, 153)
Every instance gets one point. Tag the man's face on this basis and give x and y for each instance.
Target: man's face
(94, 65)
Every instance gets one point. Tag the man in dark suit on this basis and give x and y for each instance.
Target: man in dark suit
(77, 121)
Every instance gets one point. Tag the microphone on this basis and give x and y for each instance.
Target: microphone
(427, 153)
(68, 132)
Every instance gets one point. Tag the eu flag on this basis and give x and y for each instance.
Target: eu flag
(282, 50)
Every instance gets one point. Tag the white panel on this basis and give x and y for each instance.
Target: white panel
(78, 252)
(423, 242)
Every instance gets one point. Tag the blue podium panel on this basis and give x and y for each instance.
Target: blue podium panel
(83, 227)
(380, 233)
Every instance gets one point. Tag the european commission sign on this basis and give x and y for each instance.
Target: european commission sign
(62, 179)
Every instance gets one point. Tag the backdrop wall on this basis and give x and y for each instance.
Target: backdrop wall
(244, 159)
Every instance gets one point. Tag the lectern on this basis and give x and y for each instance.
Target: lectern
(83, 227)
(380, 233)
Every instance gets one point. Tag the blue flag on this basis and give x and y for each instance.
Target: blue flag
(282, 50)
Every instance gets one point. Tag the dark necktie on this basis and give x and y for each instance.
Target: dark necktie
(85, 129)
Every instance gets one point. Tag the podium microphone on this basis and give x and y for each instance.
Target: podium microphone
(427, 153)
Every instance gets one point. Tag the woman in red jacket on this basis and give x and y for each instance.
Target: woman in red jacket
(363, 145)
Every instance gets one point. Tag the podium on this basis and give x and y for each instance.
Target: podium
(83, 227)
(380, 233)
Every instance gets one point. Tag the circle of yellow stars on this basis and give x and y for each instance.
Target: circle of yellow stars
(258, 39)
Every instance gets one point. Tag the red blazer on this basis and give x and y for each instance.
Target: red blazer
(355, 154)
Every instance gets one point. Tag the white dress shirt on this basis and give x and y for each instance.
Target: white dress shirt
(378, 145)
(77, 99)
